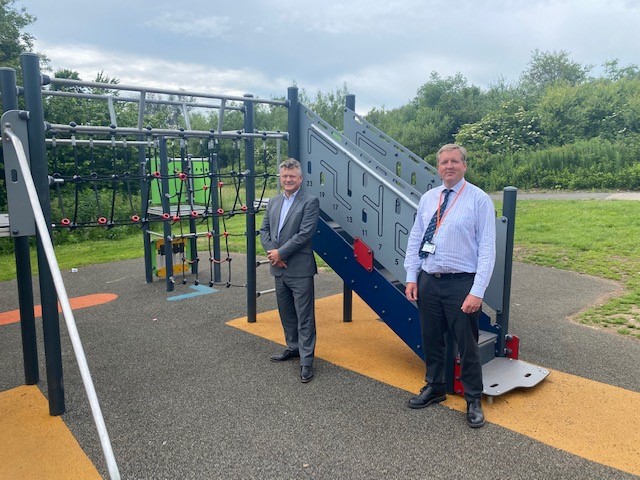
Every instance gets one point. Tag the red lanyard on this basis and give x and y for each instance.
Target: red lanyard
(440, 220)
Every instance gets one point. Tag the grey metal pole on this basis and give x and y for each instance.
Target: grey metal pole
(187, 167)
(166, 208)
(293, 121)
(350, 101)
(509, 195)
(23, 260)
(214, 205)
(250, 182)
(50, 320)
(145, 193)
(347, 292)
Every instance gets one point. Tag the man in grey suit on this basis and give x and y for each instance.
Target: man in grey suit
(287, 230)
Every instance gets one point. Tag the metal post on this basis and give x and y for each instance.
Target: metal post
(48, 298)
(250, 182)
(23, 260)
(166, 208)
(509, 195)
(347, 292)
(145, 192)
(214, 205)
(293, 123)
(350, 101)
(347, 303)
(187, 167)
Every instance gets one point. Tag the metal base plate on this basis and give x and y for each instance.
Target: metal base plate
(502, 375)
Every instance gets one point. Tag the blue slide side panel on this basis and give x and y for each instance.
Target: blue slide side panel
(376, 291)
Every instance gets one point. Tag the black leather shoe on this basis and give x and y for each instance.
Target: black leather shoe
(426, 397)
(306, 373)
(475, 417)
(284, 356)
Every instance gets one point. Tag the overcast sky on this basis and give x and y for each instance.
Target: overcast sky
(384, 50)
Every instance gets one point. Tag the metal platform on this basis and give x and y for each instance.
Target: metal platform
(501, 375)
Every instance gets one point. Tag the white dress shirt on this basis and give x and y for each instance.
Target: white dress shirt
(286, 206)
(465, 240)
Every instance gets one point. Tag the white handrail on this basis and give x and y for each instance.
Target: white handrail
(47, 245)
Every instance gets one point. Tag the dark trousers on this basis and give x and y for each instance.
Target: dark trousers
(296, 305)
(439, 302)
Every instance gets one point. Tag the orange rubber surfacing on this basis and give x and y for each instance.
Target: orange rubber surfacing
(85, 301)
(605, 430)
(35, 444)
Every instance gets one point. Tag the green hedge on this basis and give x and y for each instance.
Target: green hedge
(584, 165)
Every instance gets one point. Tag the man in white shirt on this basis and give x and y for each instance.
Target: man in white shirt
(449, 262)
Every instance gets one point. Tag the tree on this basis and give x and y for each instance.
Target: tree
(549, 68)
(507, 129)
(614, 72)
(13, 39)
(434, 116)
(330, 106)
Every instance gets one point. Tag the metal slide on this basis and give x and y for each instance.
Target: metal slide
(369, 187)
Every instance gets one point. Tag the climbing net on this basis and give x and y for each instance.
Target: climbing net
(104, 179)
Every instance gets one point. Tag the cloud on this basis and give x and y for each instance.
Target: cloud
(383, 49)
(143, 71)
(183, 24)
(356, 17)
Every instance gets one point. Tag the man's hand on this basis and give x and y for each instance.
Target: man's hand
(411, 291)
(275, 260)
(471, 304)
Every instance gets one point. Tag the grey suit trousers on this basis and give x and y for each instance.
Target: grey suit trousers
(295, 297)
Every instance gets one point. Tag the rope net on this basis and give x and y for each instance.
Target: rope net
(106, 181)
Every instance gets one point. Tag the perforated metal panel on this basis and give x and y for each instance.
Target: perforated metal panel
(394, 157)
(358, 193)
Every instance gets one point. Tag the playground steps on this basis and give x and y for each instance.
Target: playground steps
(487, 346)
(368, 195)
(383, 296)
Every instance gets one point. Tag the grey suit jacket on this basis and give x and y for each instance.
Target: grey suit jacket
(294, 244)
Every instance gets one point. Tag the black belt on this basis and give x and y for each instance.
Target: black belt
(451, 275)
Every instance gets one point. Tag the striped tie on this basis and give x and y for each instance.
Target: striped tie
(431, 228)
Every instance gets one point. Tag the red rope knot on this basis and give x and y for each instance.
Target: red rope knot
(220, 184)
(66, 222)
(135, 218)
(220, 211)
(225, 233)
(182, 176)
(209, 234)
(205, 187)
(244, 208)
(176, 218)
(166, 216)
(102, 221)
(194, 214)
(156, 174)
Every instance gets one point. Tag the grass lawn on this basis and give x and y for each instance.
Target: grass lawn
(595, 237)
